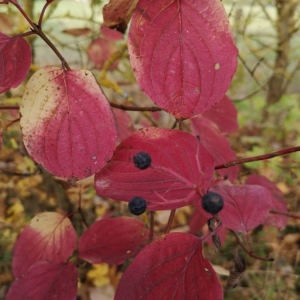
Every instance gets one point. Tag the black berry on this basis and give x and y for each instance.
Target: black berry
(212, 202)
(142, 160)
(137, 205)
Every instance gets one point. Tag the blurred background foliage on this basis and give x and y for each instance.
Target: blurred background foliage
(265, 90)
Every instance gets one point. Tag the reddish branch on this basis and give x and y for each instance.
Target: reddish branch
(171, 219)
(133, 108)
(249, 252)
(257, 158)
(284, 213)
(36, 29)
(151, 234)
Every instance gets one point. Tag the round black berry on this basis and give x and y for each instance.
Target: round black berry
(142, 160)
(212, 202)
(137, 205)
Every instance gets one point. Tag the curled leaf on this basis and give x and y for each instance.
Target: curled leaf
(237, 272)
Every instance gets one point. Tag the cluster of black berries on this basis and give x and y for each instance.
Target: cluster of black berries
(138, 205)
(212, 202)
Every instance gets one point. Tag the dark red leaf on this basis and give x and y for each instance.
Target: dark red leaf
(245, 206)
(180, 168)
(173, 267)
(48, 236)
(15, 60)
(46, 280)
(224, 115)
(277, 199)
(216, 143)
(124, 124)
(182, 53)
(67, 123)
(113, 240)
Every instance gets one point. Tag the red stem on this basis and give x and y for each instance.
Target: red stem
(171, 219)
(132, 108)
(37, 30)
(250, 253)
(42, 14)
(151, 234)
(3, 107)
(284, 213)
(257, 158)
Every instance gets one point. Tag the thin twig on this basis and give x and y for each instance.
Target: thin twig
(133, 108)
(250, 253)
(258, 157)
(170, 221)
(151, 234)
(284, 213)
(80, 210)
(3, 107)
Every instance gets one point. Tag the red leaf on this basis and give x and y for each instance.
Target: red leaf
(100, 50)
(124, 124)
(182, 53)
(15, 60)
(277, 200)
(46, 280)
(118, 11)
(48, 236)
(224, 115)
(67, 123)
(111, 34)
(172, 267)
(217, 144)
(245, 206)
(113, 240)
(181, 168)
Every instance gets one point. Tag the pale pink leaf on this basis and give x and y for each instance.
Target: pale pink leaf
(113, 240)
(15, 60)
(48, 236)
(67, 123)
(181, 169)
(277, 199)
(182, 53)
(224, 115)
(173, 267)
(217, 144)
(46, 280)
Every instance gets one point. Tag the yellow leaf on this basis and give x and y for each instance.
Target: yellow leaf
(98, 275)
